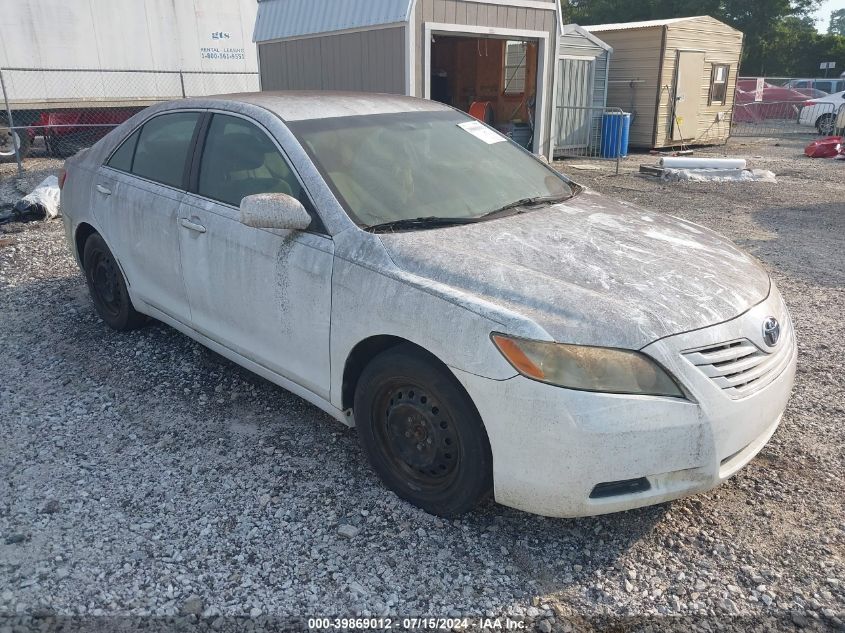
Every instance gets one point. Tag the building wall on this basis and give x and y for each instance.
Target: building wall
(477, 14)
(466, 12)
(636, 57)
(721, 45)
(371, 60)
(577, 45)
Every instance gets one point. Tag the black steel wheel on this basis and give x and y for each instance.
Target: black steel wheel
(825, 124)
(107, 286)
(421, 432)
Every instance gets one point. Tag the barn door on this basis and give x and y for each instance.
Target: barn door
(573, 117)
(689, 73)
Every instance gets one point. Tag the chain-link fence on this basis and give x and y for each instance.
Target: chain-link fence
(590, 132)
(49, 114)
(783, 107)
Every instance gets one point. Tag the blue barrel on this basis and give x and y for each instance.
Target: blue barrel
(615, 132)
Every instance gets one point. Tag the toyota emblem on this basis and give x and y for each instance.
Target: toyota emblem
(771, 331)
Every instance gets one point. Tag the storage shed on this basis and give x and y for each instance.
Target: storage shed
(677, 77)
(499, 53)
(583, 63)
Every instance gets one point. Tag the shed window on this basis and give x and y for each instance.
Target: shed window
(719, 84)
(516, 54)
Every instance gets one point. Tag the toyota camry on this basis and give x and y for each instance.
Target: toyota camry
(488, 326)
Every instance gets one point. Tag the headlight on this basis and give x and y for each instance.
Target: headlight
(587, 368)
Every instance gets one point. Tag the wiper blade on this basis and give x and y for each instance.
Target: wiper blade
(418, 223)
(526, 202)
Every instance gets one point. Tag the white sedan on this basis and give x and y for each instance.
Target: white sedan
(821, 113)
(488, 326)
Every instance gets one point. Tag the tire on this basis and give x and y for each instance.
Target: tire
(108, 288)
(7, 149)
(421, 433)
(824, 124)
(66, 146)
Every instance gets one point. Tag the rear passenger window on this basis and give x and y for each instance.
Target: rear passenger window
(240, 160)
(163, 147)
(122, 158)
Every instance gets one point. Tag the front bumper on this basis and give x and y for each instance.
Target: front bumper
(552, 447)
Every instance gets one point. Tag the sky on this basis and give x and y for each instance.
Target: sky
(823, 14)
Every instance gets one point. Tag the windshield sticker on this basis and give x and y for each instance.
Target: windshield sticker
(482, 132)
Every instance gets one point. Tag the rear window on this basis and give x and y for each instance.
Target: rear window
(122, 158)
(163, 147)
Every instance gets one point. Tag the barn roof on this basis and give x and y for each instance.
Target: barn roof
(279, 19)
(622, 26)
(570, 29)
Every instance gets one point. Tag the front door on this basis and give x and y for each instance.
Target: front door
(137, 196)
(575, 121)
(263, 293)
(689, 75)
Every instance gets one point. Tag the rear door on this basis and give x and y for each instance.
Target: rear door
(689, 74)
(138, 192)
(263, 293)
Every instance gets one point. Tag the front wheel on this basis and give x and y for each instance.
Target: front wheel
(108, 288)
(422, 433)
(825, 124)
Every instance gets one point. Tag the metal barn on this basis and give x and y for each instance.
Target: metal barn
(677, 77)
(583, 63)
(497, 54)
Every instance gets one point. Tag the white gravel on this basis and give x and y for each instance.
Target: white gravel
(143, 475)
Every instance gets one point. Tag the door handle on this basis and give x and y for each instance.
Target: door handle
(104, 190)
(199, 228)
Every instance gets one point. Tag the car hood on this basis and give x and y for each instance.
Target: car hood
(591, 271)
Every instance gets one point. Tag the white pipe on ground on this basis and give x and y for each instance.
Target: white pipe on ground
(684, 162)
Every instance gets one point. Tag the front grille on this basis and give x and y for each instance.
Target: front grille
(739, 367)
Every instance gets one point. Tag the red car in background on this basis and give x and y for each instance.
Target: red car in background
(67, 131)
(777, 102)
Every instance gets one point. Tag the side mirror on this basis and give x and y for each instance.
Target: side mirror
(274, 211)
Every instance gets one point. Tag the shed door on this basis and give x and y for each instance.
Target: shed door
(689, 73)
(574, 118)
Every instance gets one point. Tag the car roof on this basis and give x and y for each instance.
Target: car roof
(303, 106)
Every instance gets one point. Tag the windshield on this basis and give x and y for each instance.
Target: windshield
(392, 167)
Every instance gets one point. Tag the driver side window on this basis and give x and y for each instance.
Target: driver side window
(240, 160)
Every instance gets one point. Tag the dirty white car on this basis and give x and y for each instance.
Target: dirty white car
(821, 113)
(487, 325)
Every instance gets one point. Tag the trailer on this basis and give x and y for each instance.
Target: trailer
(71, 71)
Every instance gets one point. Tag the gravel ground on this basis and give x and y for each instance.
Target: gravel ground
(144, 475)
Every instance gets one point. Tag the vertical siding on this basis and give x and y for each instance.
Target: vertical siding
(721, 45)
(370, 61)
(636, 56)
(578, 45)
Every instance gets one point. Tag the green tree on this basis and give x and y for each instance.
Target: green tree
(837, 22)
(780, 35)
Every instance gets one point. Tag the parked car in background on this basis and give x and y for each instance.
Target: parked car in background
(827, 86)
(486, 324)
(777, 103)
(821, 113)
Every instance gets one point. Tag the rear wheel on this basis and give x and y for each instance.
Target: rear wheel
(824, 124)
(108, 288)
(421, 432)
(9, 138)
